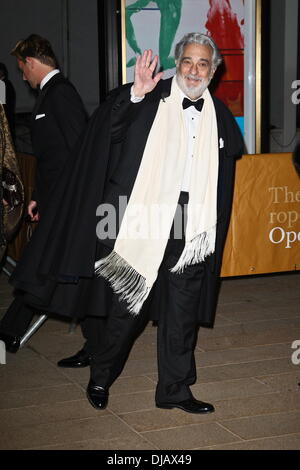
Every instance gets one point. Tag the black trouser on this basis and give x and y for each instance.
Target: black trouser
(177, 329)
(17, 318)
(92, 330)
(177, 332)
(121, 330)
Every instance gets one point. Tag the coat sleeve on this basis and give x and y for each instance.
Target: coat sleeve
(124, 113)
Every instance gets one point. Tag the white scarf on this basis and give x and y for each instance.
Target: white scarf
(132, 266)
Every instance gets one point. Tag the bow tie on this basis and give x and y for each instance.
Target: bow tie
(186, 103)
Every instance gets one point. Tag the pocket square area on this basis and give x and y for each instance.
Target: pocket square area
(221, 143)
(39, 116)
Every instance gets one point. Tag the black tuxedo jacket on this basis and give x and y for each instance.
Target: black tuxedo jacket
(57, 121)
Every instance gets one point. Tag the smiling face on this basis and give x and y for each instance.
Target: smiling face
(194, 70)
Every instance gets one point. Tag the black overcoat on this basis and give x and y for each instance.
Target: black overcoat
(57, 268)
(57, 121)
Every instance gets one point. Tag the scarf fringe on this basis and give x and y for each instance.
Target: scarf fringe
(196, 250)
(124, 280)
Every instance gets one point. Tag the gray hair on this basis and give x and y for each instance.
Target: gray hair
(202, 39)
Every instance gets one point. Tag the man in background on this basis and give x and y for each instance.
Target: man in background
(58, 119)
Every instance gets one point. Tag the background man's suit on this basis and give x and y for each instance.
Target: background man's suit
(58, 119)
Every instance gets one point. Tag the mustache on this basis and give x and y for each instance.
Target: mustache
(193, 77)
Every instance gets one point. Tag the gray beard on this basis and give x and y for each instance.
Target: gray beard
(193, 92)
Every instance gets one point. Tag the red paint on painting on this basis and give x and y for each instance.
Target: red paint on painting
(223, 26)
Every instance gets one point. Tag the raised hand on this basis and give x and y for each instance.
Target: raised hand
(144, 80)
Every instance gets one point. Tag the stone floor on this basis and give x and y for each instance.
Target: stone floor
(245, 369)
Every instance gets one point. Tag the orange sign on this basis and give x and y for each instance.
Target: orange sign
(264, 231)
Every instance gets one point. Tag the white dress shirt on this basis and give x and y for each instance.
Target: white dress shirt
(192, 122)
(48, 77)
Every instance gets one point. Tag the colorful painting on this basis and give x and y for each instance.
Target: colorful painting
(161, 24)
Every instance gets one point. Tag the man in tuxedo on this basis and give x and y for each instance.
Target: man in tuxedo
(185, 153)
(160, 142)
(58, 119)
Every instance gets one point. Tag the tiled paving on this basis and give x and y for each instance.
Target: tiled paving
(244, 368)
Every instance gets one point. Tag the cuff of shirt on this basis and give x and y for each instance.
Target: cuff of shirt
(135, 99)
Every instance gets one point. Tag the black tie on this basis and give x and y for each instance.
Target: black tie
(186, 103)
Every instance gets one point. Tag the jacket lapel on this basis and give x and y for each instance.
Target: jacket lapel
(38, 103)
(42, 93)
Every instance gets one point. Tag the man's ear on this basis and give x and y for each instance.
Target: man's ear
(30, 61)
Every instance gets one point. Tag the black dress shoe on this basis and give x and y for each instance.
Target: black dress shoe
(97, 396)
(12, 343)
(191, 405)
(80, 359)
